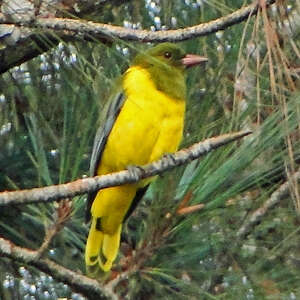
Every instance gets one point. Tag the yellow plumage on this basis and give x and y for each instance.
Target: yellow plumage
(149, 125)
(143, 122)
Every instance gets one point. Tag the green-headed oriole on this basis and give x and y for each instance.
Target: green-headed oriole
(143, 122)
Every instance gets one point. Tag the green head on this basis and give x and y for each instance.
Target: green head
(166, 63)
(165, 55)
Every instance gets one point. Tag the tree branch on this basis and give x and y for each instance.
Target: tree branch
(281, 193)
(68, 29)
(88, 29)
(92, 184)
(83, 284)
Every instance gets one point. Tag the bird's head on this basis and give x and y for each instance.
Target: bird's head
(166, 63)
(168, 55)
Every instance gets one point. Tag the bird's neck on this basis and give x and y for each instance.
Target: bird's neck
(167, 80)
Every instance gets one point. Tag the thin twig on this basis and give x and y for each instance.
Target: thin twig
(186, 199)
(63, 214)
(281, 193)
(92, 184)
(190, 209)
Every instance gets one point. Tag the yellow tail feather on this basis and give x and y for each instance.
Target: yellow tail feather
(100, 245)
(93, 244)
(111, 245)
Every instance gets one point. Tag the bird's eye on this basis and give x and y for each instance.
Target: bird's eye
(167, 54)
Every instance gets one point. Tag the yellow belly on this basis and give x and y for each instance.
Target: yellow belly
(149, 125)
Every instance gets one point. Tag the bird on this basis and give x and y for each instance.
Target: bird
(143, 122)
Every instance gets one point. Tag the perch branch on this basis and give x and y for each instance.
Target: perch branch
(92, 184)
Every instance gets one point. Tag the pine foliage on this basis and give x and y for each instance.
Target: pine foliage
(49, 113)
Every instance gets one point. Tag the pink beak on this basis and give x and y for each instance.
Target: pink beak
(192, 60)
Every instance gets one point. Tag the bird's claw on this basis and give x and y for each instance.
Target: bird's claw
(135, 172)
(168, 159)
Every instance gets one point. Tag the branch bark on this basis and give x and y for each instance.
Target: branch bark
(70, 28)
(281, 193)
(87, 185)
(88, 29)
(80, 283)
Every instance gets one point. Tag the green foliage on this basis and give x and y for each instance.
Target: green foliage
(49, 112)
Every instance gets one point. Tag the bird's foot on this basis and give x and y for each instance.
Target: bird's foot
(135, 171)
(168, 159)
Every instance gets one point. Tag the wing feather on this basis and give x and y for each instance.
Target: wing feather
(100, 140)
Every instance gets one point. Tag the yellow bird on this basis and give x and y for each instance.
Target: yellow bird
(144, 121)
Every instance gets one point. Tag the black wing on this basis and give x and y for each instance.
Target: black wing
(100, 141)
(136, 200)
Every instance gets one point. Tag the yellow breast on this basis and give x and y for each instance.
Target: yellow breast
(149, 125)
